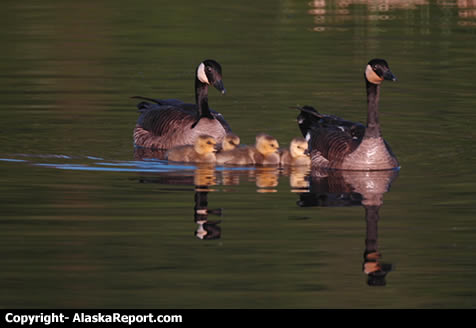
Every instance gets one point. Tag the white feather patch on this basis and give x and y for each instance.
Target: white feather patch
(201, 74)
(372, 76)
(308, 136)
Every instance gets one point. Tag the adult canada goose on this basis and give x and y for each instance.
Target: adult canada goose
(164, 124)
(339, 144)
(297, 154)
(264, 152)
(202, 151)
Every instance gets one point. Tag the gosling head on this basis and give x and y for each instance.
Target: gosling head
(298, 148)
(377, 70)
(230, 142)
(209, 72)
(266, 144)
(205, 144)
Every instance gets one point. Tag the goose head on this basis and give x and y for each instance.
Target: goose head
(299, 148)
(377, 71)
(230, 142)
(266, 144)
(209, 73)
(205, 144)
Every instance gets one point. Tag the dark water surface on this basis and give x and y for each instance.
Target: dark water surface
(87, 222)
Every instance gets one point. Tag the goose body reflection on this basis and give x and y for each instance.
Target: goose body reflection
(340, 144)
(203, 151)
(164, 124)
(339, 188)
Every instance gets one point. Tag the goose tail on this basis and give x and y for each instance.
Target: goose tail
(307, 117)
(144, 106)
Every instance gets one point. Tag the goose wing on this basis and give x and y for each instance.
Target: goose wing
(330, 137)
(160, 115)
(162, 120)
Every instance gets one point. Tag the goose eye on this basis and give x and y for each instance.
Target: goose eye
(209, 69)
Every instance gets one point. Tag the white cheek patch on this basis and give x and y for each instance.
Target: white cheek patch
(201, 74)
(308, 136)
(372, 76)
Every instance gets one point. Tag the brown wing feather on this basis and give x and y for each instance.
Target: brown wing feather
(167, 123)
(331, 138)
(331, 144)
(164, 120)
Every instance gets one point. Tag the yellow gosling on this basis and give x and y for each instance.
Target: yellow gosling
(230, 142)
(203, 151)
(266, 150)
(297, 154)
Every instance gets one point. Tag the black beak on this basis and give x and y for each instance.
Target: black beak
(388, 75)
(218, 84)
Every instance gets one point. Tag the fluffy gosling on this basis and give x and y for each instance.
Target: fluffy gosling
(203, 151)
(297, 154)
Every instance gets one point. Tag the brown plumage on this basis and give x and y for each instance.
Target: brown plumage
(202, 151)
(164, 124)
(340, 144)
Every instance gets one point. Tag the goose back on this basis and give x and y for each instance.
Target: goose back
(167, 124)
(330, 138)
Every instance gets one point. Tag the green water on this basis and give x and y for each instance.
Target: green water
(87, 223)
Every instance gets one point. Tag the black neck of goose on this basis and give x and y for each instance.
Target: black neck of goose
(373, 124)
(372, 217)
(201, 99)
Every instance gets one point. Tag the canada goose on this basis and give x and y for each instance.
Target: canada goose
(230, 142)
(297, 153)
(339, 144)
(164, 124)
(262, 153)
(202, 151)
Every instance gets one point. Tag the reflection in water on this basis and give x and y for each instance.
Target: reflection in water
(298, 177)
(355, 188)
(206, 229)
(266, 177)
(207, 175)
(337, 14)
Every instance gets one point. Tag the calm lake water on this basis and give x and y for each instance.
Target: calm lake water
(88, 222)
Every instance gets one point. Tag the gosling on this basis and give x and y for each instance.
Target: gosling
(230, 142)
(203, 151)
(264, 152)
(297, 154)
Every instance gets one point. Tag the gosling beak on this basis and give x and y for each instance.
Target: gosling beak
(388, 75)
(218, 84)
